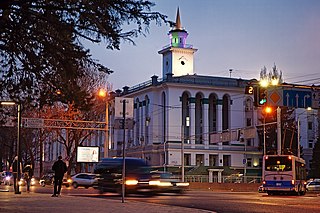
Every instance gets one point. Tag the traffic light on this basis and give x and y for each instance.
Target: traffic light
(262, 96)
(249, 90)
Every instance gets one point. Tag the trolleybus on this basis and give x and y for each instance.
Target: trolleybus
(284, 174)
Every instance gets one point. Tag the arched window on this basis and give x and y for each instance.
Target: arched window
(137, 122)
(164, 116)
(186, 115)
(212, 113)
(225, 112)
(199, 118)
(147, 120)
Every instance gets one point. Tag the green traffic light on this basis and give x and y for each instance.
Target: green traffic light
(262, 101)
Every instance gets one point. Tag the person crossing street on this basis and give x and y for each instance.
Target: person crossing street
(59, 167)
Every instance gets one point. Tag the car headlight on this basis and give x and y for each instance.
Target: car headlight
(69, 180)
(131, 182)
(159, 183)
(182, 184)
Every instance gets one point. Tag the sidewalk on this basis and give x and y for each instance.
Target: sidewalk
(43, 203)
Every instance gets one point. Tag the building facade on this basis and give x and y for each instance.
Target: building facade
(209, 114)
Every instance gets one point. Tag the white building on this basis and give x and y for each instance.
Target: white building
(183, 106)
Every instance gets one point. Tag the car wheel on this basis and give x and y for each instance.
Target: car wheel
(75, 185)
(42, 184)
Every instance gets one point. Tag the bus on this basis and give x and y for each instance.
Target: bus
(284, 174)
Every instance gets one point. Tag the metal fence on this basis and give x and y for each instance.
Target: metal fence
(225, 179)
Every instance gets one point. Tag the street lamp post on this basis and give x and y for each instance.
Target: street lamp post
(104, 94)
(182, 146)
(10, 103)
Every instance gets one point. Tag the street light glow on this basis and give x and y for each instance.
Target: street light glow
(264, 83)
(102, 93)
(268, 109)
(10, 103)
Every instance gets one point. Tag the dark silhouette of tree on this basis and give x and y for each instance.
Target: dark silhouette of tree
(41, 44)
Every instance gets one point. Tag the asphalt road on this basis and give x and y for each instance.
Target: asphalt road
(211, 200)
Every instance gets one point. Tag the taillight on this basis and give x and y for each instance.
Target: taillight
(292, 182)
(264, 182)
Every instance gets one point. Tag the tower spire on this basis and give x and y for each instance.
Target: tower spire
(178, 22)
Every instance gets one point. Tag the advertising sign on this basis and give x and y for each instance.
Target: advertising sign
(87, 154)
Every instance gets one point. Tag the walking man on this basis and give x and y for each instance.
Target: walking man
(59, 167)
(28, 173)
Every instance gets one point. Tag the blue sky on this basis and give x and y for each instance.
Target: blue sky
(243, 35)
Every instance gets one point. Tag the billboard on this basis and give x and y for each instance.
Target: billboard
(87, 154)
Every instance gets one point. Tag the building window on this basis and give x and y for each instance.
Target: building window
(199, 119)
(249, 162)
(249, 123)
(310, 144)
(213, 159)
(199, 159)
(227, 160)
(309, 125)
(225, 112)
(186, 116)
(187, 159)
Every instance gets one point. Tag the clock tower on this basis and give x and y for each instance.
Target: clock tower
(177, 57)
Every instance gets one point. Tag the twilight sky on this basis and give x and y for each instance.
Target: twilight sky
(243, 35)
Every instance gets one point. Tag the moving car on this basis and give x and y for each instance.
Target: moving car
(6, 178)
(84, 179)
(137, 175)
(166, 182)
(22, 182)
(313, 186)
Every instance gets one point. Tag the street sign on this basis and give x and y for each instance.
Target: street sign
(119, 107)
(275, 96)
(297, 98)
(34, 123)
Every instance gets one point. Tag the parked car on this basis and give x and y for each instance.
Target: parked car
(84, 179)
(6, 178)
(166, 182)
(48, 179)
(137, 176)
(313, 186)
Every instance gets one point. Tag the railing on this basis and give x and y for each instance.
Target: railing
(225, 179)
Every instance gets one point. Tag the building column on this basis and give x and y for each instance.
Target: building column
(205, 125)
(192, 123)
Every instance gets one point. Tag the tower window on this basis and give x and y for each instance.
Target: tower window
(183, 63)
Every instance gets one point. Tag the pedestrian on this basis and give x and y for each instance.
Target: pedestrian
(15, 173)
(59, 167)
(27, 175)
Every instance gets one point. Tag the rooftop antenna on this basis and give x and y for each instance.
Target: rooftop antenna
(230, 70)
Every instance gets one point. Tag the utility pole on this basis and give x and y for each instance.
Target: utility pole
(279, 131)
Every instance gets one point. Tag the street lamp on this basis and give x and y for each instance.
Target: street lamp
(11, 103)
(267, 110)
(182, 146)
(103, 93)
